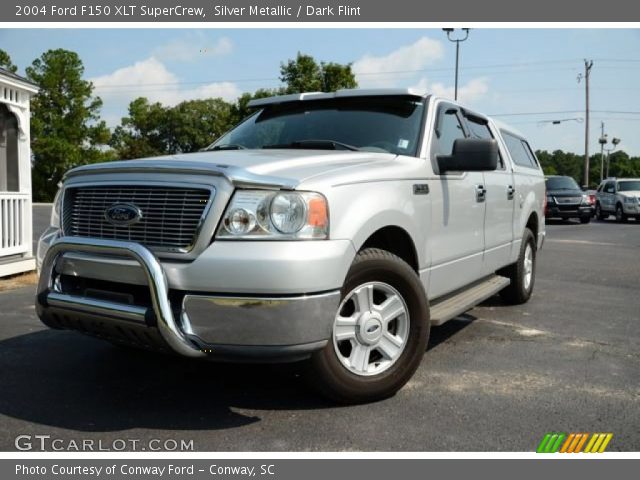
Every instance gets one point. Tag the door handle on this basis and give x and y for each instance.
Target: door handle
(510, 192)
(480, 193)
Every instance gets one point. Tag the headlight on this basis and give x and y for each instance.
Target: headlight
(631, 200)
(585, 200)
(55, 211)
(272, 215)
(550, 199)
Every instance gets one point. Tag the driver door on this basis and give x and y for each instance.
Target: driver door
(458, 211)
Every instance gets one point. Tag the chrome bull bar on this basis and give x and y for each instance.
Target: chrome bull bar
(156, 280)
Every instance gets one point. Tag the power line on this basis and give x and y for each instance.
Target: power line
(521, 67)
(557, 112)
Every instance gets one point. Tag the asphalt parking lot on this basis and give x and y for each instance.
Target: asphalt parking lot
(496, 378)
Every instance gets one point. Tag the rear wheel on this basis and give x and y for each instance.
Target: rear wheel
(380, 331)
(600, 214)
(522, 273)
(620, 215)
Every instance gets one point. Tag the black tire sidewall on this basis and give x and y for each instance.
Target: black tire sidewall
(345, 386)
(515, 293)
(527, 239)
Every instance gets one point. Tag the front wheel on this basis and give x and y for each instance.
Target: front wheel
(585, 219)
(522, 273)
(380, 331)
(620, 215)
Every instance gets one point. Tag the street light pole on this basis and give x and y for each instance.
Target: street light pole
(615, 143)
(602, 141)
(457, 42)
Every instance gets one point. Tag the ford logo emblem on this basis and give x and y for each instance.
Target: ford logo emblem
(122, 214)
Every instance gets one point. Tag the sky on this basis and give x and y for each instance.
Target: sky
(520, 76)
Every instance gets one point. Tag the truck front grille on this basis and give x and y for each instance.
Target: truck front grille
(568, 200)
(169, 220)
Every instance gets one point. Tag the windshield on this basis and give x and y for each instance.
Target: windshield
(377, 124)
(629, 186)
(562, 183)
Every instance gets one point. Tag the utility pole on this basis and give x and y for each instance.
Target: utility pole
(588, 64)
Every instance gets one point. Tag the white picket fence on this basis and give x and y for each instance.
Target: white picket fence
(14, 215)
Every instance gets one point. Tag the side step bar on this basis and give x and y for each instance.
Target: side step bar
(453, 305)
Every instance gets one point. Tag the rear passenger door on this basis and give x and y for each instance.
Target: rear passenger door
(499, 203)
(457, 215)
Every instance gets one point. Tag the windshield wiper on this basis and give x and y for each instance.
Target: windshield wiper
(315, 145)
(230, 146)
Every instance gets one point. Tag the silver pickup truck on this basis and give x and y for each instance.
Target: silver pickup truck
(334, 228)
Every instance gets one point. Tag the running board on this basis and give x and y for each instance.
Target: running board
(452, 306)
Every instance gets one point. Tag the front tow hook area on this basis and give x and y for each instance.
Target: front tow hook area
(156, 280)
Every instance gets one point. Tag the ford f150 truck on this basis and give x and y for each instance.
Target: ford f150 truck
(334, 228)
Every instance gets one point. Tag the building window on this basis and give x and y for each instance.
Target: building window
(9, 161)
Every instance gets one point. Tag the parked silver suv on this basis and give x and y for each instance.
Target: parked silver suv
(620, 197)
(335, 228)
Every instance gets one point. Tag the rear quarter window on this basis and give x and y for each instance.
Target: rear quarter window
(520, 151)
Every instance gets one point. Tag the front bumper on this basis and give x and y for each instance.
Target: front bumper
(631, 209)
(192, 324)
(577, 212)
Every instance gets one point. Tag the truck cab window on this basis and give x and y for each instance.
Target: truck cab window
(449, 129)
(481, 130)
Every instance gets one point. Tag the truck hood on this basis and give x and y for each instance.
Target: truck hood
(631, 193)
(285, 168)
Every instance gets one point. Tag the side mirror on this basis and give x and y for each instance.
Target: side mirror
(470, 155)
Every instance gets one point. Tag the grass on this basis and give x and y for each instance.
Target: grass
(19, 280)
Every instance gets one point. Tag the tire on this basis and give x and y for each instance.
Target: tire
(341, 371)
(522, 273)
(584, 220)
(600, 215)
(621, 217)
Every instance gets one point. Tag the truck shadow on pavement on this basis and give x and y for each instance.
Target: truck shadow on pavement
(67, 380)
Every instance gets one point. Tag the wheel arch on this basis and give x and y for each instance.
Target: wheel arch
(533, 224)
(396, 240)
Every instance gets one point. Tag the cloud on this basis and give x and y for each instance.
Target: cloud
(370, 69)
(193, 47)
(467, 93)
(150, 78)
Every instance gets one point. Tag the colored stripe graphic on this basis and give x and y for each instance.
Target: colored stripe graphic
(551, 443)
(567, 443)
(578, 448)
(598, 442)
(543, 444)
(574, 443)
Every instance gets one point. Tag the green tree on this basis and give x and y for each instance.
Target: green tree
(142, 133)
(240, 109)
(571, 164)
(6, 63)
(66, 130)
(337, 76)
(304, 74)
(195, 124)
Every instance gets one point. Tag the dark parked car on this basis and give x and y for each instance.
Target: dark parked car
(566, 200)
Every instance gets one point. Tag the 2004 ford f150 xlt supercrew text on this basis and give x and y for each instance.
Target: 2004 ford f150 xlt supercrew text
(334, 228)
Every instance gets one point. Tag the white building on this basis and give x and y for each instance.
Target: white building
(16, 251)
